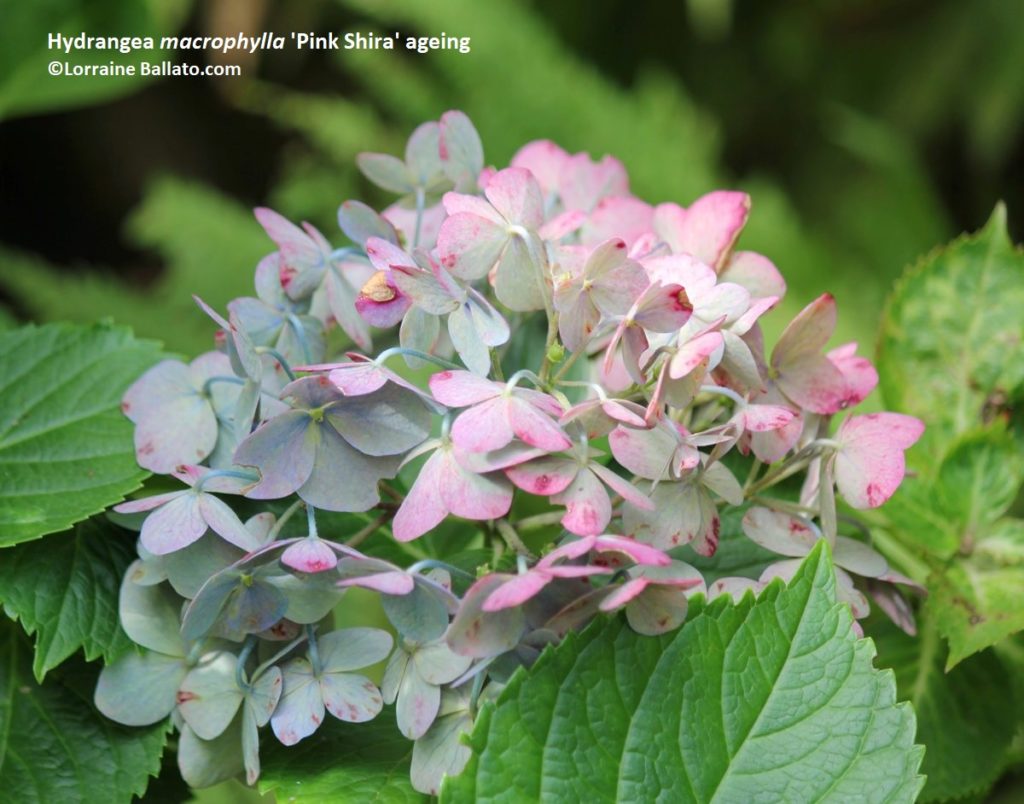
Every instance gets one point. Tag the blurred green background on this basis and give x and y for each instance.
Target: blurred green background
(867, 132)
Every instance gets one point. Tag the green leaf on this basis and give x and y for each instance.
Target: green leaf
(966, 718)
(65, 448)
(65, 590)
(54, 746)
(952, 339)
(979, 478)
(976, 482)
(768, 700)
(976, 602)
(342, 762)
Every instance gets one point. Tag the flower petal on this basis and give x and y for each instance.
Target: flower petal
(351, 697)
(300, 710)
(781, 533)
(461, 389)
(284, 450)
(870, 466)
(516, 591)
(173, 526)
(588, 510)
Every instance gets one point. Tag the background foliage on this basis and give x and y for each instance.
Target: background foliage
(867, 133)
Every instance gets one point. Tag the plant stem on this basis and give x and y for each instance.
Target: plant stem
(288, 514)
(364, 533)
(508, 533)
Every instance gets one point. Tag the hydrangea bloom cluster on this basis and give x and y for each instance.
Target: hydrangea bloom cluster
(579, 374)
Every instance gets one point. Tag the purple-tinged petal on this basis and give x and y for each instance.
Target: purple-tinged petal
(344, 478)
(846, 592)
(225, 522)
(359, 223)
(300, 711)
(284, 450)
(148, 503)
(173, 526)
(371, 573)
(390, 421)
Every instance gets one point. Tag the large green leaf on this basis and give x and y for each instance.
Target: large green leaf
(966, 717)
(952, 340)
(65, 448)
(768, 700)
(342, 762)
(977, 602)
(948, 508)
(65, 590)
(55, 747)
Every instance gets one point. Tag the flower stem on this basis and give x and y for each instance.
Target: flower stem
(278, 357)
(288, 514)
(508, 533)
(366, 532)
